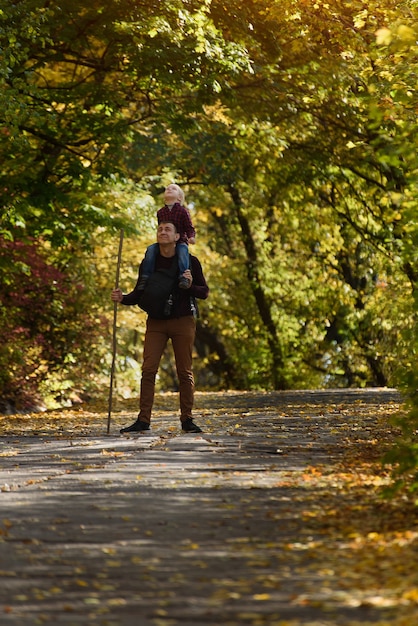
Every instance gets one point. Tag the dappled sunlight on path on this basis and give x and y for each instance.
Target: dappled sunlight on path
(271, 517)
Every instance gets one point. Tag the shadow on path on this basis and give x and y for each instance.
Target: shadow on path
(258, 521)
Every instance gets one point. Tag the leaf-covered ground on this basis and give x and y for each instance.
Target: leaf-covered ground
(273, 516)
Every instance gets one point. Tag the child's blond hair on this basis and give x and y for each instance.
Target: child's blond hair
(180, 192)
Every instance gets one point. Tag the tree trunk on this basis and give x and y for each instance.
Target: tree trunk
(264, 303)
(224, 369)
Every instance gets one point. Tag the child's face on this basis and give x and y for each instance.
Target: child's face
(171, 194)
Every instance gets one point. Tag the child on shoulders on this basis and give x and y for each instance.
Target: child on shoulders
(172, 211)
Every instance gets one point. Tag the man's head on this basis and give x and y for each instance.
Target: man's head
(167, 233)
(173, 193)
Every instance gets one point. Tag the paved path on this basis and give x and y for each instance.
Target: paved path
(164, 529)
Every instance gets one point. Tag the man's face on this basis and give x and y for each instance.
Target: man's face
(166, 233)
(171, 194)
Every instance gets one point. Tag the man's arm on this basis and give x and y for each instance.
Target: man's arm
(199, 287)
(129, 298)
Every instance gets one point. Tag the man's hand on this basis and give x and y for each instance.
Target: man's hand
(116, 295)
(187, 274)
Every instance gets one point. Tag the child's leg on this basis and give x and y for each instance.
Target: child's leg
(148, 264)
(182, 251)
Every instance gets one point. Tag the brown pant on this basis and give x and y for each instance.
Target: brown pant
(182, 332)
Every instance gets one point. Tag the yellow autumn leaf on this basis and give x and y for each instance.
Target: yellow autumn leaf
(407, 34)
(91, 601)
(384, 36)
(116, 602)
(411, 595)
(136, 560)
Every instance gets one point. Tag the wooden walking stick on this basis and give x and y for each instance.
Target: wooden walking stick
(115, 313)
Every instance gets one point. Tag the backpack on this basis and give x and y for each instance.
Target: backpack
(160, 292)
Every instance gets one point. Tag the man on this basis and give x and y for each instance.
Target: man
(179, 326)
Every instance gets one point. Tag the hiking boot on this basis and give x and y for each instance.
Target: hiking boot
(184, 283)
(136, 427)
(188, 426)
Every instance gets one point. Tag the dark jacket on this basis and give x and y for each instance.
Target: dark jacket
(184, 297)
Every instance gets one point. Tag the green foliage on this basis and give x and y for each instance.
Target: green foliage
(82, 82)
(85, 91)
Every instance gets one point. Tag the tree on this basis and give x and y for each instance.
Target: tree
(317, 101)
(290, 122)
(82, 82)
(47, 322)
(81, 85)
